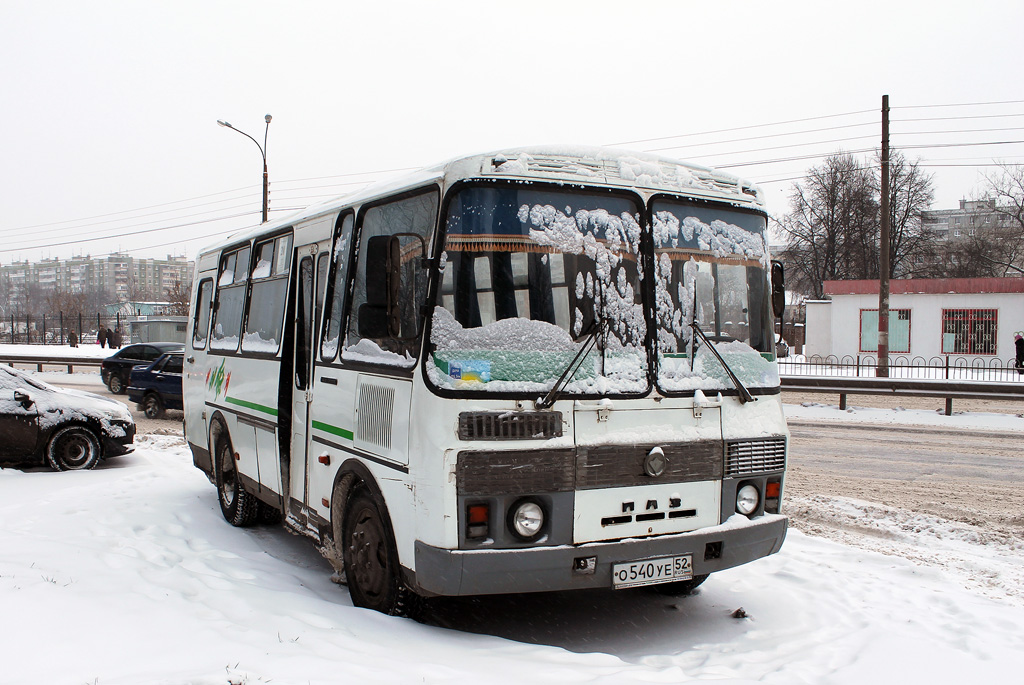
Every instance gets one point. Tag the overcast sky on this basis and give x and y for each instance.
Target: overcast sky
(109, 136)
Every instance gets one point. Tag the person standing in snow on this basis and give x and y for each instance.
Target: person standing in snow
(1018, 341)
(101, 337)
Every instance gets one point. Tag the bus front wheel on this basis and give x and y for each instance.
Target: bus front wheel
(679, 588)
(371, 562)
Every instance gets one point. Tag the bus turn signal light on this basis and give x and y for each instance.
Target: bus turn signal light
(478, 516)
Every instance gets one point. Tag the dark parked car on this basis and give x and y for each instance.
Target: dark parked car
(116, 369)
(68, 429)
(158, 386)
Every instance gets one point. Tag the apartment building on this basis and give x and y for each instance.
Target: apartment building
(123, 276)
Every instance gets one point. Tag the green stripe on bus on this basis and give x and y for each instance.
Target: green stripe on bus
(334, 430)
(251, 405)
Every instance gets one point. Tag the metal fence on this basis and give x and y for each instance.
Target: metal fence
(61, 329)
(946, 367)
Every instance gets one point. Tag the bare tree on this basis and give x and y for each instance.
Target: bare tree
(1006, 246)
(831, 226)
(178, 297)
(911, 244)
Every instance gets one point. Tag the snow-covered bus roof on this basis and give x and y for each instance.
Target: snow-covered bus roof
(556, 163)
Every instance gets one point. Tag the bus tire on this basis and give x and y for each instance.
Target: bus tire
(239, 507)
(73, 448)
(371, 560)
(680, 588)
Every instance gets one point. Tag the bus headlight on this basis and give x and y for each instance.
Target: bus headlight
(747, 499)
(526, 519)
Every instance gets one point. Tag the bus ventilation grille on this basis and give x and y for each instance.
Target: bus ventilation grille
(376, 406)
(743, 457)
(510, 425)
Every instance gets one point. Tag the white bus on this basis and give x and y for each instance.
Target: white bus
(544, 369)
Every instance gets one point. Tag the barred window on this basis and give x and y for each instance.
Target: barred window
(969, 331)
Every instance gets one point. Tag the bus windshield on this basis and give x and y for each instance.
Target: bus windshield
(711, 265)
(529, 274)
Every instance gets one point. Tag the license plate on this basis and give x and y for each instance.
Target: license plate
(652, 571)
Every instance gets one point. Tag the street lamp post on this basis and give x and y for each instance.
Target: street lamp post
(263, 151)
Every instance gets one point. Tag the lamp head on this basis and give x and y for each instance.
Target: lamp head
(268, 118)
(221, 122)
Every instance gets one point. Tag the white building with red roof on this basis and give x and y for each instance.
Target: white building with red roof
(961, 317)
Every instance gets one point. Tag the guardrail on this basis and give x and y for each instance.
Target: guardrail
(915, 387)
(830, 383)
(48, 360)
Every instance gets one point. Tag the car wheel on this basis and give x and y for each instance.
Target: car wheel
(239, 507)
(152, 406)
(680, 588)
(115, 384)
(371, 562)
(73, 448)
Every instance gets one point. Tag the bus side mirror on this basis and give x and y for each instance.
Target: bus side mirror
(394, 263)
(375, 316)
(778, 289)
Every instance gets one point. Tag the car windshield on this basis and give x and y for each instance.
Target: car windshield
(12, 379)
(711, 265)
(527, 273)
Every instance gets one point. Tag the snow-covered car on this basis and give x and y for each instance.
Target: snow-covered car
(67, 429)
(158, 386)
(116, 369)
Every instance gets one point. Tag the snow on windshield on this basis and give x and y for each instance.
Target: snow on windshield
(708, 373)
(508, 250)
(582, 233)
(719, 237)
(526, 285)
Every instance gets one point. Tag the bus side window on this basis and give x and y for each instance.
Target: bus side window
(201, 327)
(265, 308)
(390, 288)
(336, 289)
(227, 312)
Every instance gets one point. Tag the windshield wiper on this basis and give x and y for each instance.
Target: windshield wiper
(745, 395)
(544, 402)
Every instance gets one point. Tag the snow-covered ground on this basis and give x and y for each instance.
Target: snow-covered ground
(129, 574)
(975, 420)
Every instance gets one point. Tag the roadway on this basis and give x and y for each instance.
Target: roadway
(967, 476)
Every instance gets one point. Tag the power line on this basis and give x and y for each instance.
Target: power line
(133, 233)
(286, 193)
(743, 128)
(973, 116)
(961, 104)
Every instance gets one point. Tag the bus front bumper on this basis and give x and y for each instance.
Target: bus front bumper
(539, 569)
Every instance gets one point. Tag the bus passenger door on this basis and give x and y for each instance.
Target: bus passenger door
(307, 309)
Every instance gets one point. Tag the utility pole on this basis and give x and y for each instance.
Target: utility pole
(882, 370)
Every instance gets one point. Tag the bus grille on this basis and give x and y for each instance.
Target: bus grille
(743, 457)
(510, 425)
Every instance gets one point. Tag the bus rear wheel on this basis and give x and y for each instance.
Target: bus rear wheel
(238, 506)
(371, 562)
